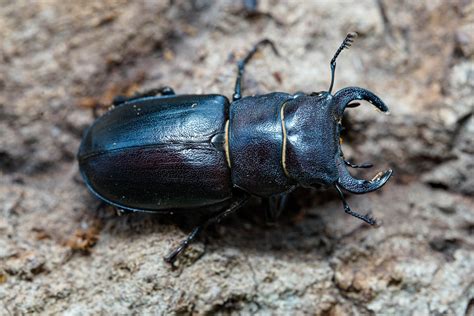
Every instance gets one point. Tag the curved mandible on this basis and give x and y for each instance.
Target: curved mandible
(346, 95)
(360, 186)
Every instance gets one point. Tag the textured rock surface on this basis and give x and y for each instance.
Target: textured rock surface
(58, 254)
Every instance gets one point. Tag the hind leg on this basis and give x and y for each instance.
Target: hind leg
(164, 91)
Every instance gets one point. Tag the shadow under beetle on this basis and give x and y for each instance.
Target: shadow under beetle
(162, 152)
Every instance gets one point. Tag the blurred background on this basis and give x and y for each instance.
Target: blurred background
(60, 61)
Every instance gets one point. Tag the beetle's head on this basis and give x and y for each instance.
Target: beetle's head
(313, 154)
(343, 99)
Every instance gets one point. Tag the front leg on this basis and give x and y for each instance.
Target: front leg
(363, 165)
(366, 218)
(276, 204)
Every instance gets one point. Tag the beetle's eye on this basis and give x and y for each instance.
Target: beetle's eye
(318, 94)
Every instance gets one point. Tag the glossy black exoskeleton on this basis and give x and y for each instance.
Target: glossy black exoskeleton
(161, 152)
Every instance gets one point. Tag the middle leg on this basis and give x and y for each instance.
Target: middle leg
(234, 206)
(243, 62)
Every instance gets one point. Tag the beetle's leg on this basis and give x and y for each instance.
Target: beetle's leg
(241, 65)
(149, 93)
(363, 165)
(276, 204)
(345, 44)
(234, 206)
(366, 218)
(171, 257)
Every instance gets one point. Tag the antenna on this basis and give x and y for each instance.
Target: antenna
(345, 44)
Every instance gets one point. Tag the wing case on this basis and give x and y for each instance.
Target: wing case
(156, 153)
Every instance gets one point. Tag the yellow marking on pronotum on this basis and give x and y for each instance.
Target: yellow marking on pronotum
(226, 143)
(283, 151)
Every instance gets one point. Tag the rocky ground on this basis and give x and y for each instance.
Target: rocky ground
(59, 60)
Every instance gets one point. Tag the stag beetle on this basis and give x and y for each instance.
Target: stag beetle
(161, 152)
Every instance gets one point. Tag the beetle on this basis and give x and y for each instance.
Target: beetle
(163, 153)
